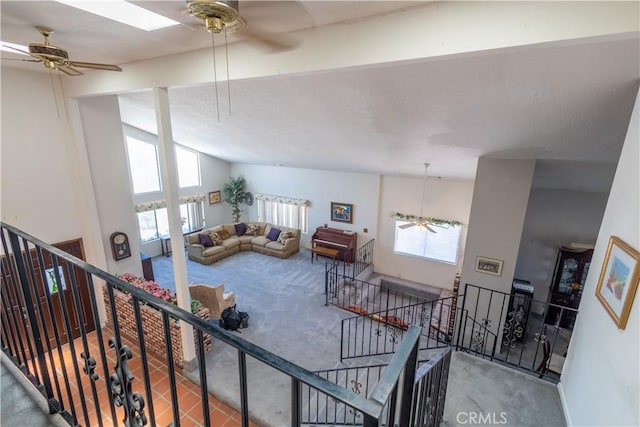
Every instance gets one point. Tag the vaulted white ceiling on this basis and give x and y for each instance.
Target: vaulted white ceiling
(565, 102)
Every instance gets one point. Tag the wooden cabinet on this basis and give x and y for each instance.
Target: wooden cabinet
(569, 276)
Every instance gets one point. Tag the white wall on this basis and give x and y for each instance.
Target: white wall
(39, 190)
(446, 199)
(600, 383)
(320, 188)
(214, 173)
(554, 218)
(111, 184)
(497, 216)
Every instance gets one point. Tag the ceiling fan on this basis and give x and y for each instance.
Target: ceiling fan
(224, 16)
(420, 222)
(57, 58)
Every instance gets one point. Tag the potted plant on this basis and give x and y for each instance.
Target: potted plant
(234, 194)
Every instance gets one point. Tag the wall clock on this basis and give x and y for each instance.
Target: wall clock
(248, 199)
(120, 245)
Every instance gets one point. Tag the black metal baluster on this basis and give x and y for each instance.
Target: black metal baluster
(170, 370)
(296, 395)
(121, 388)
(244, 401)
(70, 340)
(56, 335)
(204, 394)
(143, 358)
(31, 314)
(44, 324)
(100, 339)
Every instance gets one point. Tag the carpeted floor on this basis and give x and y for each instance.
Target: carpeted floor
(285, 299)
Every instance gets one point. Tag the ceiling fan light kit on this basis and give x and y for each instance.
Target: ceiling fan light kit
(423, 223)
(217, 15)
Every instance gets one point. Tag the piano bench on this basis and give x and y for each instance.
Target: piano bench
(328, 252)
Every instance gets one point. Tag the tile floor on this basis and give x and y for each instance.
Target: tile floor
(189, 398)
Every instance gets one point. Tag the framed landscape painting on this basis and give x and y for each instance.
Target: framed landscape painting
(618, 280)
(341, 212)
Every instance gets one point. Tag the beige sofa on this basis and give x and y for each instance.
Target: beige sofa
(233, 243)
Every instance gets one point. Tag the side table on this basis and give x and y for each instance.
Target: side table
(165, 245)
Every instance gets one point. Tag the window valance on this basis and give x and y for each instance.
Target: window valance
(159, 204)
(281, 199)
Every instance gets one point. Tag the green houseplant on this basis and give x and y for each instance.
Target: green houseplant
(234, 194)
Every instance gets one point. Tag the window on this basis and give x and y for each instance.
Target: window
(155, 223)
(143, 164)
(285, 214)
(188, 167)
(441, 246)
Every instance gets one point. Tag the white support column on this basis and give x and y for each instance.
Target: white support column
(169, 175)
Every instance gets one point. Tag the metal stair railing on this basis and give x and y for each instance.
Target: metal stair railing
(31, 336)
(429, 387)
(378, 333)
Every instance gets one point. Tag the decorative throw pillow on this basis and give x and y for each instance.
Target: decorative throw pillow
(205, 240)
(240, 229)
(274, 234)
(252, 229)
(284, 236)
(215, 238)
(224, 234)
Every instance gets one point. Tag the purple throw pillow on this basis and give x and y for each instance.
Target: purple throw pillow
(205, 240)
(274, 234)
(241, 229)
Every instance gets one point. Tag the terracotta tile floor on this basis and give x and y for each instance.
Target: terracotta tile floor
(189, 398)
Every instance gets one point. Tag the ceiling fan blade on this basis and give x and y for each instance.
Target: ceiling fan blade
(95, 66)
(19, 59)
(270, 41)
(403, 226)
(69, 71)
(429, 228)
(16, 49)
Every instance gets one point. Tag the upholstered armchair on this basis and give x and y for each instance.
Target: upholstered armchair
(213, 297)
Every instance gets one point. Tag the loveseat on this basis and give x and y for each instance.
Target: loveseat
(213, 244)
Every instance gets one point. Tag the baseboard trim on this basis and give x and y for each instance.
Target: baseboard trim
(565, 410)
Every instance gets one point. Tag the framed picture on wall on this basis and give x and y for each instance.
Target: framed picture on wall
(618, 280)
(488, 266)
(214, 197)
(341, 212)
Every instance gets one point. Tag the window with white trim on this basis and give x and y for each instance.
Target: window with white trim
(277, 212)
(143, 164)
(443, 245)
(188, 167)
(155, 223)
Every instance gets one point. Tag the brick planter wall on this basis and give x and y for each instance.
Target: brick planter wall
(152, 326)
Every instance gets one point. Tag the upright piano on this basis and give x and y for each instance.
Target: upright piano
(341, 240)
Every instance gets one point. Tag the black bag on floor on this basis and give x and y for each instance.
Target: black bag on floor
(230, 319)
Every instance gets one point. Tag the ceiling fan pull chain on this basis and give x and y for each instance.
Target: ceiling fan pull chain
(215, 76)
(226, 51)
(55, 95)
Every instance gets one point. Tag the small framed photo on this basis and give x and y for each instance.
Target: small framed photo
(341, 212)
(214, 197)
(488, 266)
(618, 280)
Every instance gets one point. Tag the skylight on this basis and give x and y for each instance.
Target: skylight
(121, 11)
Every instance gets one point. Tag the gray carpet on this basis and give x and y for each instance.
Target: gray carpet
(501, 396)
(285, 299)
